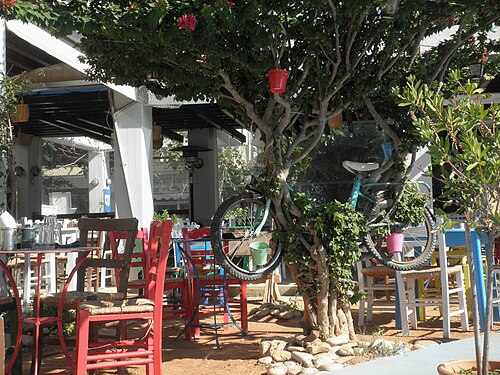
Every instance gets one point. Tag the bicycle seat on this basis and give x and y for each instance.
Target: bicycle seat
(356, 167)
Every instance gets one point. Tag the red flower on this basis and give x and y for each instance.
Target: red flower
(187, 21)
(7, 3)
(471, 39)
(231, 3)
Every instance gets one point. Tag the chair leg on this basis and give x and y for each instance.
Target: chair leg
(403, 305)
(82, 342)
(411, 290)
(243, 306)
(369, 300)
(464, 316)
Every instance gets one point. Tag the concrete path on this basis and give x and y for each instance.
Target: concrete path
(423, 361)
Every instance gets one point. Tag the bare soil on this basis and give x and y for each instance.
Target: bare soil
(239, 354)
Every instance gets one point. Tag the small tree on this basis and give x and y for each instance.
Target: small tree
(464, 135)
(9, 91)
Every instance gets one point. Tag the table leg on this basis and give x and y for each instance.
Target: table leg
(479, 276)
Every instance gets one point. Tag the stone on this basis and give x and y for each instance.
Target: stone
(295, 370)
(299, 339)
(265, 360)
(345, 351)
(286, 315)
(279, 370)
(358, 351)
(348, 358)
(338, 340)
(296, 349)
(315, 334)
(308, 371)
(417, 347)
(297, 314)
(382, 343)
(265, 348)
(253, 311)
(316, 348)
(263, 312)
(426, 343)
(363, 343)
(290, 363)
(274, 312)
(281, 355)
(309, 342)
(322, 360)
(330, 367)
(301, 357)
(334, 349)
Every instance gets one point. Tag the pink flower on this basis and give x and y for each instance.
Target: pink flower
(188, 21)
(231, 3)
(471, 39)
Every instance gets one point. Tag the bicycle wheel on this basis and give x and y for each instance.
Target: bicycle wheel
(419, 241)
(238, 248)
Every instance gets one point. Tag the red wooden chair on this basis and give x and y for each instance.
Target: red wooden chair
(212, 295)
(144, 350)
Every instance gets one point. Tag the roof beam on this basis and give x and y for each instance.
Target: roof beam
(172, 135)
(209, 119)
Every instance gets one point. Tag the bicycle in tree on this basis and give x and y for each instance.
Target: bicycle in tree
(244, 227)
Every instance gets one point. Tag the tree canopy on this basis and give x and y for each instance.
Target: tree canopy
(340, 55)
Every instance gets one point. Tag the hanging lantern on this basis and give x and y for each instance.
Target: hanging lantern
(277, 80)
(336, 122)
(21, 112)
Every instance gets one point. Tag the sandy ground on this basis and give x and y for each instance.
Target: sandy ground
(238, 354)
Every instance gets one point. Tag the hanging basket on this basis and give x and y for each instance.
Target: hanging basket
(277, 80)
(21, 112)
(336, 122)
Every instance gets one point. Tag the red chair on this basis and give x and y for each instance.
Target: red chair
(147, 348)
(212, 295)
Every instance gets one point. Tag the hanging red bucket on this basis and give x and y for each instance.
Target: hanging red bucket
(277, 80)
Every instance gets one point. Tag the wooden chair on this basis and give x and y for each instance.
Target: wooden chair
(452, 284)
(374, 278)
(144, 350)
(90, 229)
(139, 259)
(212, 295)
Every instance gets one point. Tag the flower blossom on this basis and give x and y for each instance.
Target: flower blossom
(7, 3)
(188, 21)
(231, 3)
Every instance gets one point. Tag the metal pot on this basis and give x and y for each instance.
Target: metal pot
(8, 238)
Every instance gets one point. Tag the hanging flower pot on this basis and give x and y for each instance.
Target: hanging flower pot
(277, 80)
(336, 122)
(21, 112)
(394, 242)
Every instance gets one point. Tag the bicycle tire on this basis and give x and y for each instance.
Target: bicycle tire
(233, 253)
(422, 238)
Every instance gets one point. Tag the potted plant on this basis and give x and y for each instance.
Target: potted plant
(464, 136)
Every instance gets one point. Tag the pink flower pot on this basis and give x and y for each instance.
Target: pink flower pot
(277, 80)
(394, 242)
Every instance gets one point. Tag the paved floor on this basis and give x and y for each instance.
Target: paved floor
(423, 361)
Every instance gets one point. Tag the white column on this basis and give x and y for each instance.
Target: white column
(205, 179)
(132, 181)
(98, 173)
(3, 70)
(21, 156)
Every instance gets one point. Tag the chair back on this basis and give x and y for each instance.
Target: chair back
(200, 251)
(138, 258)
(89, 228)
(158, 248)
